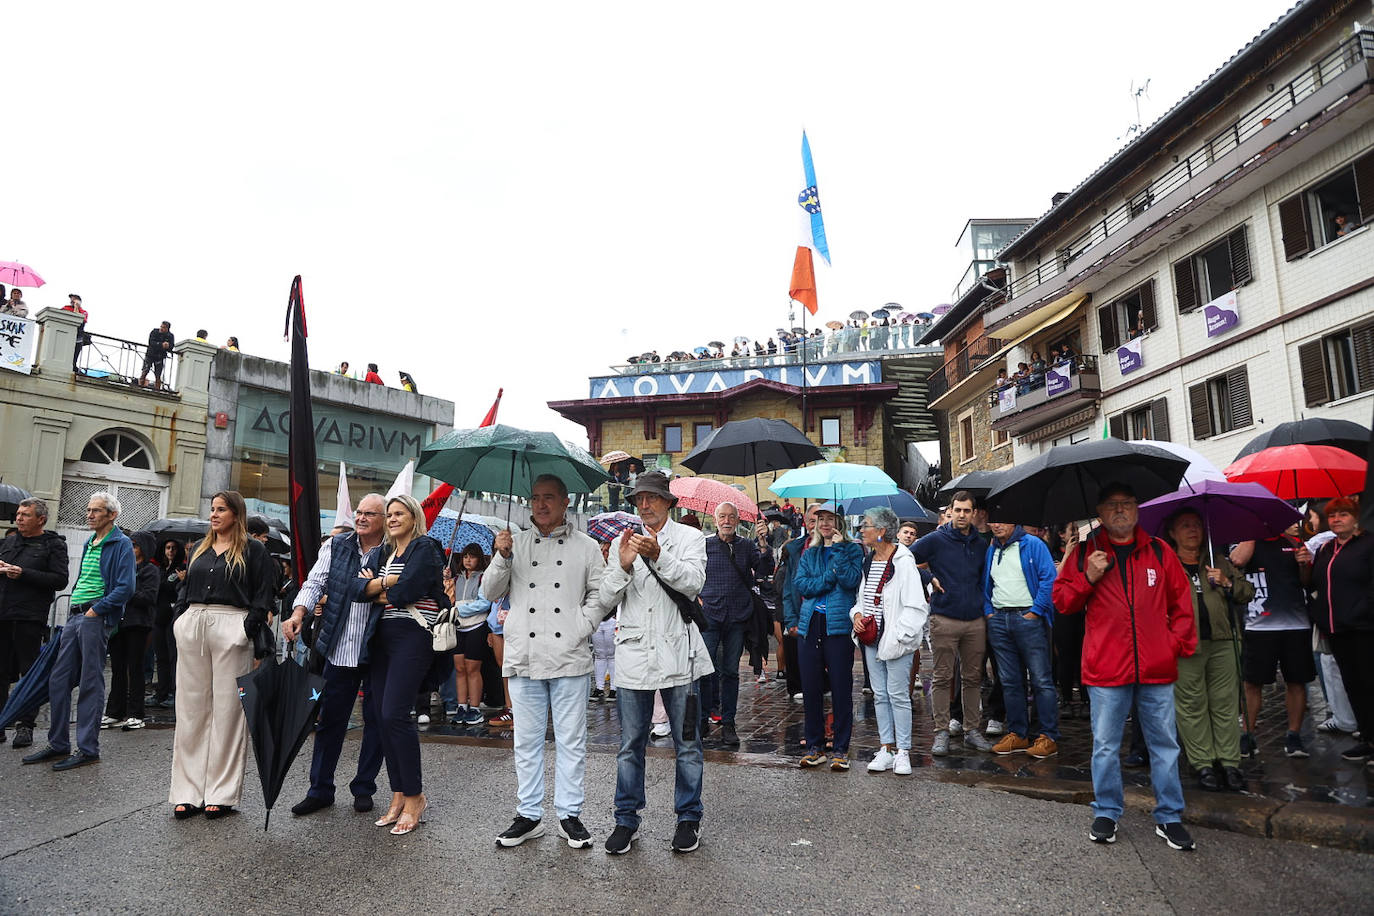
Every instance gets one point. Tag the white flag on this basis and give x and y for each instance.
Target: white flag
(343, 514)
(404, 481)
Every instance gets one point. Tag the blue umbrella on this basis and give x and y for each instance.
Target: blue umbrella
(468, 533)
(839, 481)
(902, 504)
(32, 690)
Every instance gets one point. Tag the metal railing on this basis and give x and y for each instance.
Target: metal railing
(1079, 365)
(845, 342)
(957, 369)
(119, 360)
(1347, 54)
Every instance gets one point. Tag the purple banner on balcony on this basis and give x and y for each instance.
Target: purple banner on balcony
(1221, 314)
(1128, 356)
(1057, 380)
(1006, 399)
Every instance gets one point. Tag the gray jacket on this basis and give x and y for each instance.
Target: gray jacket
(553, 582)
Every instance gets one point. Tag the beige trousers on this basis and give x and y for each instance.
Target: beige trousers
(211, 741)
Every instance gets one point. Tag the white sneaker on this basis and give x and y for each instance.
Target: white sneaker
(995, 727)
(131, 724)
(423, 719)
(797, 697)
(882, 761)
(110, 722)
(661, 730)
(956, 727)
(901, 763)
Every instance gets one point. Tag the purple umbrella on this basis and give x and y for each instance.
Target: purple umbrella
(1231, 511)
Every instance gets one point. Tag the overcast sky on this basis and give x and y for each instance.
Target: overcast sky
(519, 195)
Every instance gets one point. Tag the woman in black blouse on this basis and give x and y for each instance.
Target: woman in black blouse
(224, 601)
(404, 578)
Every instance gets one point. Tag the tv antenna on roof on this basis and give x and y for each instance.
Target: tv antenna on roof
(1137, 92)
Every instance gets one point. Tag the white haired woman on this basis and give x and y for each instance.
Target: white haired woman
(890, 595)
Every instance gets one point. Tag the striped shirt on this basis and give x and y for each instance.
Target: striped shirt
(347, 650)
(427, 607)
(90, 586)
(872, 601)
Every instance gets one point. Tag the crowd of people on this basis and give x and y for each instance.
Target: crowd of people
(1112, 625)
(1031, 375)
(851, 336)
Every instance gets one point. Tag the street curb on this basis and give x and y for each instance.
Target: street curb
(1315, 823)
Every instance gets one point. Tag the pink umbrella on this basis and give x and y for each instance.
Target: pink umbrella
(703, 494)
(16, 274)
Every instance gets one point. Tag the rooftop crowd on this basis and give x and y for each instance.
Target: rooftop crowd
(850, 336)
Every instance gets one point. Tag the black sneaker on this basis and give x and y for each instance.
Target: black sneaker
(618, 843)
(687, 836)
(1247, 746)
(1103, 831)
(1292, 746)
(1176, 835)
(520, 830)
(23, 737)
(1358, 752)
(571, 829)
(48, 753)
(728, 736)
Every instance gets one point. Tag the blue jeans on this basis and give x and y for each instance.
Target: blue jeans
(340, 693)
(532, 700)
(891, 697)
(448, 692)
(80, 660)
(635, 708)
(820, 656)
(725, 647)
(1022, 645)
(1154, 705)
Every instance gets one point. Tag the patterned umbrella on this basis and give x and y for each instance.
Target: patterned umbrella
(469, 532)
(607, 525)
(703, 494)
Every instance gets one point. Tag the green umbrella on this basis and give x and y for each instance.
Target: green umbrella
(503, 459)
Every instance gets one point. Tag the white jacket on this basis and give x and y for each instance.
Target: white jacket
(904, 607)
(553, 583)
(654, 646)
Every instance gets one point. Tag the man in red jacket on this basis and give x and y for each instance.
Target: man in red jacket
(1139, 607)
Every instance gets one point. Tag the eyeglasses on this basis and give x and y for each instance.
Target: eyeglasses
(367, 514)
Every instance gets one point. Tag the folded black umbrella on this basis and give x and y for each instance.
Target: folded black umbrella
(280, 700)
(29, 695)
(1342, 434)
(1061, 485)
(742, 448)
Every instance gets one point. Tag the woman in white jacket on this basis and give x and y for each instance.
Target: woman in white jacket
(890, 592)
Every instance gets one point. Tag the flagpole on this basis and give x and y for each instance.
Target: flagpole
(806, 427)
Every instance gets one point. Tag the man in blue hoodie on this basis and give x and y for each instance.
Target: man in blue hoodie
(956, 556)
(103, 586)
(1018, 580)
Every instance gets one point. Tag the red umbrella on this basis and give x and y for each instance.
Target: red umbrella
(703, 494)
(1301, 471)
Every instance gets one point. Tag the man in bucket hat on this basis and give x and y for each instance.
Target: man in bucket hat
(656, 650)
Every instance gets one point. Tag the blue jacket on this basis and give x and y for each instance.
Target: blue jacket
(1036, 565)
(344, 563)
(422, 577)
(831, 575)
(957, 560)
(117, 572)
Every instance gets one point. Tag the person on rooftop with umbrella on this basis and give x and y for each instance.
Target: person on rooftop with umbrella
(1139, 609)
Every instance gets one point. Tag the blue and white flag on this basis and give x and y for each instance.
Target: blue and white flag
(17, 337)
(808, 199)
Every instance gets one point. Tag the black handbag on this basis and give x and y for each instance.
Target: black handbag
(689, 609)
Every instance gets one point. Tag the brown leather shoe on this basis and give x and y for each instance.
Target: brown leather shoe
(1043, 747)
(1011, 743)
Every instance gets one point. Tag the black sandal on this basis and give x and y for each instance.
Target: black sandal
(220, 811)
(183, 811)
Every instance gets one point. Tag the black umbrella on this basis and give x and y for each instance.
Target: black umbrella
(741, 448)
(280, 700)
(278, 541)
(977, 483)
(1061, 485)
(10, 498)
(178, 528)
(1342, 434)
(29, 695)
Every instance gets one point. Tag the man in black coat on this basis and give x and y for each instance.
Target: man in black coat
(33, 568)
(160, 341)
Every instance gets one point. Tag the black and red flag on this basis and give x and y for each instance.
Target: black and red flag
(303, 472)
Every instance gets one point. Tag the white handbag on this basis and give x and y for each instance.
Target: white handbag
(444, 632)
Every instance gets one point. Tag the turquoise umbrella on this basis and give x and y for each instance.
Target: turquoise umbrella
(835, 481)
(503, 459)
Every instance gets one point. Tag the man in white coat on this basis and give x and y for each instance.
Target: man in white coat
(551, 573)
(655, 650)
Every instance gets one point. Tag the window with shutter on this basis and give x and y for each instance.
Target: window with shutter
(1364, 186)
(1117, 426)
(1159, 419)
(1197, 406)
(1238, 394)
(1240, 257)
(1185, 285)
(1297, 232)
(1362, 338)
(1106, 320)
(1147, 305)
(1316, 382)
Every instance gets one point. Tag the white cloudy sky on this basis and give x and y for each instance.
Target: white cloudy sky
(518, 195)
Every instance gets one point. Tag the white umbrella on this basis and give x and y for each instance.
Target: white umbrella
(343, 514)
(1199, 468)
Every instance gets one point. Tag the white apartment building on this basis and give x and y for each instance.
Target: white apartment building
(1217, 274)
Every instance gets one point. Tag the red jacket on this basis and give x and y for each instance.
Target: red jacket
(1134, 637)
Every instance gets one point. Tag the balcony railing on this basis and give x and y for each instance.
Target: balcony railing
(840, 344)
(957, 369)
(1017, 396)
(121, 361)
(1347, 54)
